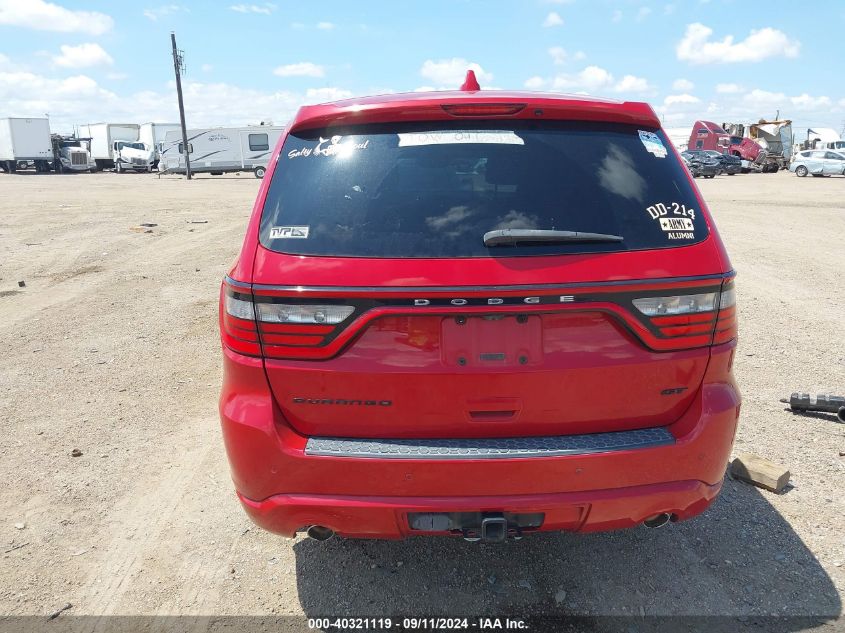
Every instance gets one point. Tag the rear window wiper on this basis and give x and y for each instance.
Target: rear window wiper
(512, 237)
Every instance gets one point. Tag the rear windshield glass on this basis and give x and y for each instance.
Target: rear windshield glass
(435, 189)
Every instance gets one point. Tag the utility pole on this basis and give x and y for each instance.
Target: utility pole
(179, 68)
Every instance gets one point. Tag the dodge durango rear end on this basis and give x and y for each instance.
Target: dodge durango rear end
(479, 314)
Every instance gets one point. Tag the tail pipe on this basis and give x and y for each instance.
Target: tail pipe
(320, 532)
(657, 520)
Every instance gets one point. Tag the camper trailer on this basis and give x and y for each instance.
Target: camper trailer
(220, 150)
(152, 136)
(25, 141)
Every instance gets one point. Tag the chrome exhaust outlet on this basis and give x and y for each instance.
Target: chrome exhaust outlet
(320, 532)
(657, 520)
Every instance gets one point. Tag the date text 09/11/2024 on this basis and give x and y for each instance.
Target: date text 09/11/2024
(418, 624)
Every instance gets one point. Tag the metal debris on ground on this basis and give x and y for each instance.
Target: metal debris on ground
(14, 547)
(56, 614)
(826, 403)
(21, 284)
(76, 453)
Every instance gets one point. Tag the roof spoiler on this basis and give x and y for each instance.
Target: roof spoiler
(435, 106)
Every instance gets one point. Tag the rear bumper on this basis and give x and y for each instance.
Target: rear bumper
(284, 489)
(387, 517)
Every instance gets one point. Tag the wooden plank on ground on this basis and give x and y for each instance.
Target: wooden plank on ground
(760, 472)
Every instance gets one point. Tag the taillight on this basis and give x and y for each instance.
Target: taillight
(318, 314)
(237, 322)
(726, 324)
(691, 320)
(251, 324)
(292, 330)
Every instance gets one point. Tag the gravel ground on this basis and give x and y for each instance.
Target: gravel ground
(111, 349)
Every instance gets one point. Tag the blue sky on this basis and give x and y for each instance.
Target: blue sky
(724, 60)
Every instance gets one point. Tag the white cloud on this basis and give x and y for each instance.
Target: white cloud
(535, 83)
(163, 11)
(553, 19)
(696, 46)
(450, 73)
(617, 16)
(322, 95)
(682, 98)
(79, 99)
(806, 102)
(728, 89)
(300, 69)
(266, 9)
(760, 99)
(82, 56)
(592, 79)
(46, 16)
(5, 62)
(560, 56)
(630, 83)
(206, 68)
(325, 26)
(643, 13)
(117, 76)
(682, 85)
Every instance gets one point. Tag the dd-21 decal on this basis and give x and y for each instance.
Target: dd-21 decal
(675, 219)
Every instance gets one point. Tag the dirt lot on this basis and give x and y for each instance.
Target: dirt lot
(111, 348)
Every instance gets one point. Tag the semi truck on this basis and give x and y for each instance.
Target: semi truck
(730, 139)
(116, 145)
(776, 138)
(71, 154)
(24, 141)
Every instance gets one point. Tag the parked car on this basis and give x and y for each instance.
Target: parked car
(818, 163)
(479, 314)
(730, 165)
(702, 165)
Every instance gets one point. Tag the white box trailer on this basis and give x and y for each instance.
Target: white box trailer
(152, 135)
(222, 149)
(103, 138)
(25, 140)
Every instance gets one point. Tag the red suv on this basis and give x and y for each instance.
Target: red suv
(477, 313)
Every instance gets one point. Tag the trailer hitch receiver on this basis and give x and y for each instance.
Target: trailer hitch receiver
(494, 529)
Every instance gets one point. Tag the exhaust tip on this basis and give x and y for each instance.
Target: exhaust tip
(319, 532)
(657, 520)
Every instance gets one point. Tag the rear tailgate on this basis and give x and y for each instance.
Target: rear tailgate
(488, 376)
